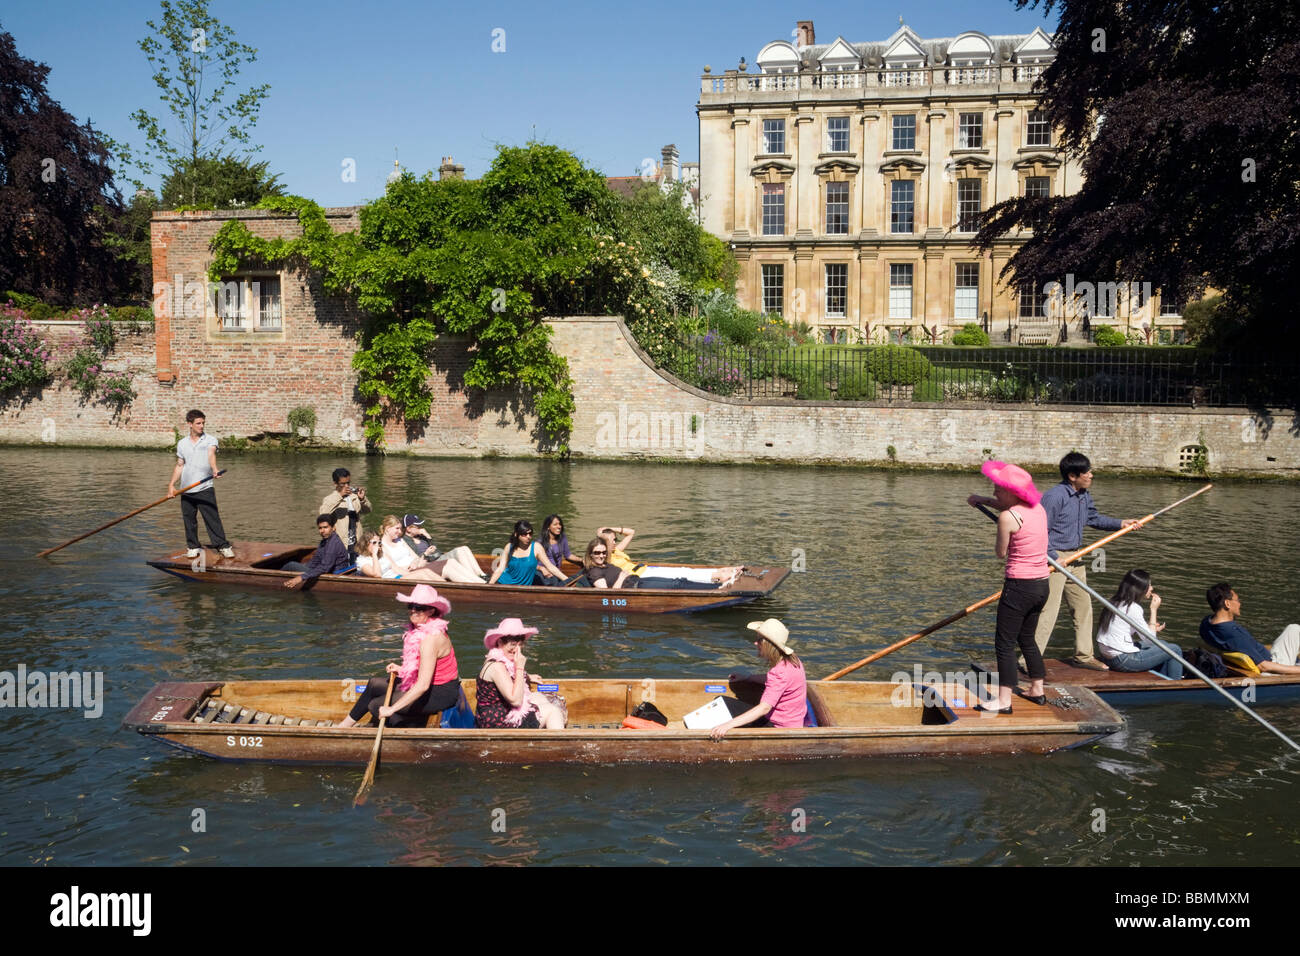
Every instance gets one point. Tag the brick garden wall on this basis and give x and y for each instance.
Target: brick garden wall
(248, 381)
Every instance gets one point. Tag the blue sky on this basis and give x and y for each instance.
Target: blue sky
(352, 80)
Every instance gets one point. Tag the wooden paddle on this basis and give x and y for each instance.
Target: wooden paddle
(368, 780)
(132, 514)
(993, 597)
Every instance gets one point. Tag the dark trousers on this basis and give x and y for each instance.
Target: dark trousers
(433, 701)
(194, 503)
(1018, 610)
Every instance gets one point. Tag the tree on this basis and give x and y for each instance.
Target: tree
(225, 182)
(1183, 115)
(197, 62)
(56, 191)
(661, 225)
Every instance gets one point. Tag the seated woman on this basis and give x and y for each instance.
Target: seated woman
(519, 562)
(504, 699)
(375, 559)
(556, 545)
(458, 564)
(659, 575)
(429, 681)
(1115, 642)
(600, 573)
(785, 696)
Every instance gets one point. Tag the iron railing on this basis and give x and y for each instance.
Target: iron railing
(1168, 376)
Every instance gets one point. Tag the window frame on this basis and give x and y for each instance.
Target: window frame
(897, 269)
(895, 205)
(777, 129)
(965, 271)
(766, 272)
(895, 130)
(1038, 132)
(964, 131)
(840, 218)
(967, 220)
(776, 218)
(839, 292)
(831, 134)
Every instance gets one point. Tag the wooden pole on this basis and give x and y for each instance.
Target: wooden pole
(60, 547)
(993, 597)
(368, 780)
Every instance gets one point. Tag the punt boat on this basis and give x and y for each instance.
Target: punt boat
(1119, 687)
(258, 563)
(292, 721)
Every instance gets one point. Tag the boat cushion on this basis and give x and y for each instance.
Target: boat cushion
(1240, 662)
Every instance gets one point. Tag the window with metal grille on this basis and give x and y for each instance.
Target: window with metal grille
(904, 132)
(900, 290)
(837, 209)
(970, 130)
(837, 289)
(774, 209)
(774, 136)
(901, 203)
(1038, 132)
(968, 204)
(965, 306)
(774, 289)
(837, 134)
(1038, 187)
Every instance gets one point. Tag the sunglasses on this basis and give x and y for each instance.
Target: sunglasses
(594, 553)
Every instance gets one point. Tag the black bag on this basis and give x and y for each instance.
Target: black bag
(1207, 662)
(648, 711)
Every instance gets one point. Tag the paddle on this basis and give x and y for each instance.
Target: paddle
(993, 597)
(368, 780)
(1141, 627)
(132, 514)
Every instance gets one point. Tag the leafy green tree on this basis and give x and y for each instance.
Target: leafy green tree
(224, 182)
(196, 61)
(56, 191)
(1184, 118)
(661, 226)
(128, 235)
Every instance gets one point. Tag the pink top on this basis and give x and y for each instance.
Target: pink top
(1027, 549)
(444, 669)
(787, 692)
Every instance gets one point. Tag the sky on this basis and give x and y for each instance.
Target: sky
(350, 80)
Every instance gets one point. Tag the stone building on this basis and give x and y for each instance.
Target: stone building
(848, 178)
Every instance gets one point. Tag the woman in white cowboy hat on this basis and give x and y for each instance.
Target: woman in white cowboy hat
(785, 695)
(504, 699)
(430, 682)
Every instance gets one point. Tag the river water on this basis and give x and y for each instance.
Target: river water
(885, 554)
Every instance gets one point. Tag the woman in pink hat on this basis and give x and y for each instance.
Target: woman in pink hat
(1022, 542)
(504, 699)
(429, 680)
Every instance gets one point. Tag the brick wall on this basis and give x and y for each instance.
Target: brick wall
(246, 382)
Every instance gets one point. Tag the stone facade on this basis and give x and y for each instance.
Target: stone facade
(845, 177)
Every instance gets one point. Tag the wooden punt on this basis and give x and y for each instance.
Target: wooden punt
(256, 564)
(1119, 687)
(290, 721)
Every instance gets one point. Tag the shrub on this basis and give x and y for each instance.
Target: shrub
(1203, 320)
(897, 365)
(812, 388)
(116, 390)
(970, 334)
(24, 356)
(83, 371)
(1109, 338)
(928, 391)
(304, 416)
(99, 328)
(856, 385)
(134, 314)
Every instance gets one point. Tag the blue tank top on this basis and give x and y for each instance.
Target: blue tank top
(520, 570)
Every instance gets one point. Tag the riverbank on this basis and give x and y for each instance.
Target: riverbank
(627, 409)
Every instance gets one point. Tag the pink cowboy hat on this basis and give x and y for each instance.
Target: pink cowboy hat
(510, 627)
(1013, 478)
(427, 596)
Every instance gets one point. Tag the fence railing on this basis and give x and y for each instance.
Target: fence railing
(1167, 376)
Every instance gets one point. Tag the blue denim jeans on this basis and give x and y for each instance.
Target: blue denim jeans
(1149, 658)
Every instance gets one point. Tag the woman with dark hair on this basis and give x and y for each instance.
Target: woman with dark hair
(519, 562)
(600, 573)
(429, 681)
(1115, 640)
(556, 545)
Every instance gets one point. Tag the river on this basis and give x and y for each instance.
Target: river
(884, 555)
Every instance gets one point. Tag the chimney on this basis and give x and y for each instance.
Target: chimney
(672, 170)
(804, 30)
(450, 170)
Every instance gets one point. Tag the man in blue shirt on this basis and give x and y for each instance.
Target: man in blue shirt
(330, 557)
(1222, 632)
(1069, 508)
